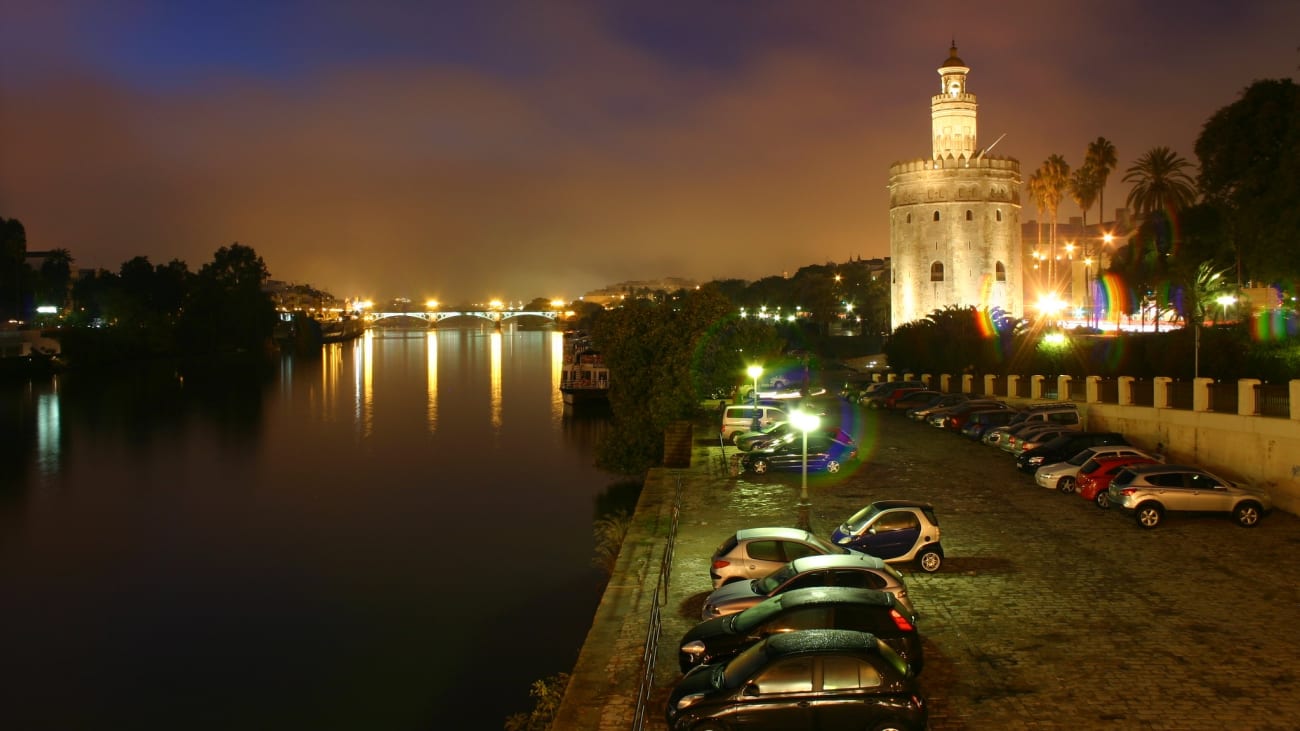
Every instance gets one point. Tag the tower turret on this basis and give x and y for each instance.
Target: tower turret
(952, 110)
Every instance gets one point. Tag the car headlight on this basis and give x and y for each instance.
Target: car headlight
(695, 648)
(1035, 460)
(710, 610)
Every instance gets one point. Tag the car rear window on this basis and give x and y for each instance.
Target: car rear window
(1123, 478)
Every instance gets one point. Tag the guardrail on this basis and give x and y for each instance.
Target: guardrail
(655, 625)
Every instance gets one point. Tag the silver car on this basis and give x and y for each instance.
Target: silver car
(750, 553)
(1063, 476)
(853, 569)
(1148, 491)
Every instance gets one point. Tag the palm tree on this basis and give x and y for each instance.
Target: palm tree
(1038, 191)
(1083, 189)
(1101, 159)
(1160, 182)
(1056, 176)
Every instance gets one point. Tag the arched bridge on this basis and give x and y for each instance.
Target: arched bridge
(497, 316)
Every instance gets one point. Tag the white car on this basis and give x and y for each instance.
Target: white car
(1063, 476)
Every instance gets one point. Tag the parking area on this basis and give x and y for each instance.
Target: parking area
(1048, 613)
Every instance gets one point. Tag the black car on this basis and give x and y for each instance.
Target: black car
(825, 454)
(1064, 447)
(816, 607)
(813, 678)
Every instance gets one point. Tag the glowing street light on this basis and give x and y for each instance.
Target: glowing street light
(805, 423)
(1224, 301)
(754, 372)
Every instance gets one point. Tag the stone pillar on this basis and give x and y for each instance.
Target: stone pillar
(945, 380)
(1160, 393)
(1248, 397)
(1013, 385)
(1063, 387)
(1201, 394)
(967, 381)
(989, 381)
(1092, 389)
(1124, 393)
(927, 379)
(1035, 387)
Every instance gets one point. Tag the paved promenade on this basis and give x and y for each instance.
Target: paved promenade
(1049, 613)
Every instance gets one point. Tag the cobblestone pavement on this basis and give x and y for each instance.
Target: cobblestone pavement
(1049, 613)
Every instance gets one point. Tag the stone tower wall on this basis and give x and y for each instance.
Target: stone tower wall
(968, 248)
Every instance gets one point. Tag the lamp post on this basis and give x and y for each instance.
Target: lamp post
(1224, 301)
(754, 372)
(805, 423)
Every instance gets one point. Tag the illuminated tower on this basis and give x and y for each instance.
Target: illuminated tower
(954, 218)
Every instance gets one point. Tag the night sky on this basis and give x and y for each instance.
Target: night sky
(473, 150)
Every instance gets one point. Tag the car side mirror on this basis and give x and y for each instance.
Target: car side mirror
(751, 689)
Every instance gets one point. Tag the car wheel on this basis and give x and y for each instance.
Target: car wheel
(1148, 515)
(709, 726)
(929, 560)
(760, 466)
(832, 466)
(890, 726)
(1246, 514)
(1066, 485)
(778, 385)
(1102, 500)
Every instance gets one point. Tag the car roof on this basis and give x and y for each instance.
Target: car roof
(1142, 469)
(814, 595)
(837, 560)
(891, 504)
(749, 534)
(820, 640)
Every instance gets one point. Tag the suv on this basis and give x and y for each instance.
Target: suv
(898, 531)
(816, 607)
(1036, 415)
(848, 679)
(1147, 491)
(1064, 447)
(737, 420)
(753, 552)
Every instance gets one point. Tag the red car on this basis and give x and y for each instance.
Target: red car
(1095, 476)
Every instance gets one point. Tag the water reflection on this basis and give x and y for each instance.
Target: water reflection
(495, 377)
(557, 371)
(431, 379)
(49, 432)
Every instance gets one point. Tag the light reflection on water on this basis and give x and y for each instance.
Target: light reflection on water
(346, 544)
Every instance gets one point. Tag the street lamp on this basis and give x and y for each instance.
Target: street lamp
(805, 423)
(1224, 301)
(754, 372)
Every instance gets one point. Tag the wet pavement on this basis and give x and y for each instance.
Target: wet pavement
(1048, 613)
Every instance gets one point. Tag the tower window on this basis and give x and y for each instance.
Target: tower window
(970, 216)
(999, 215)
(936, 272)
(936, 215)
(1000, 272)
(909, 218)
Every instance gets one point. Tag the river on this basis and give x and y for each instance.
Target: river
(395, 534)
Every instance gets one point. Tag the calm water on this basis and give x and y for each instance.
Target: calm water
(365, 540)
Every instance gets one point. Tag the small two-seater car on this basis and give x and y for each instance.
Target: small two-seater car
(897, 531)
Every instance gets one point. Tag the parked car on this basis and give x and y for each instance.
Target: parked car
(815, 678)
(816, 607)
(981, 421)
(825, 453)
(1033, 436)
(751, 553)
(851, 569)
(898, 531)
(1032, 417)
(1148, 491)
(1065, 446)
(949, 399)
(1095, 475)
(1062, 476)
(955, 418)
(738, 419)
(914, 399)
(872, 395)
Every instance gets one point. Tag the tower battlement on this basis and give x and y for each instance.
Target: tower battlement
(951, 162)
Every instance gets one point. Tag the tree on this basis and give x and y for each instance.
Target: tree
(1056, 177)
(1100, 157)
(1160, 182)
(14, 271)
(1249, 154)
(1038, 192)
(55, 278)
(227, 310)
(1083, 189)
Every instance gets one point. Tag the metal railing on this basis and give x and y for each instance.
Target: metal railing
(655, 625)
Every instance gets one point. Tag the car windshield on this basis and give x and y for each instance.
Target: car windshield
(860, 519)
(1081, 457)
(769, 583)
(1089, 467)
